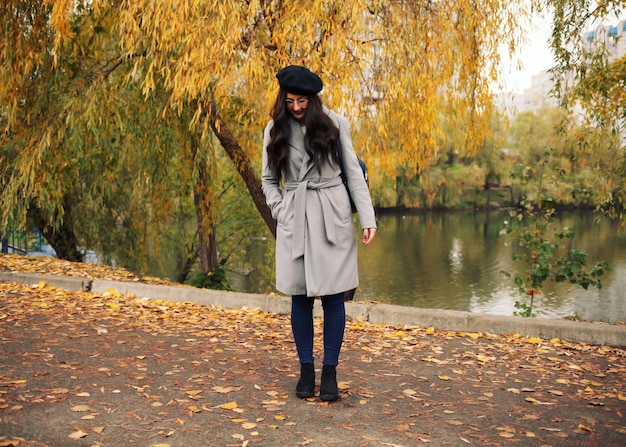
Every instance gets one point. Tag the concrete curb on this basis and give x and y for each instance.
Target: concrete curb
(574, 331)
(62, 282)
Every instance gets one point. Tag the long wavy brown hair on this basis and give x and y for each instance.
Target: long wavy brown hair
(320, 141)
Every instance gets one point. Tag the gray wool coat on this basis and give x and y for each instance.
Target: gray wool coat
(316, 246)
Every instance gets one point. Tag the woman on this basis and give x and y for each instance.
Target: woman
(316, 252)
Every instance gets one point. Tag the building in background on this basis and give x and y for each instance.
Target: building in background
(537, 96)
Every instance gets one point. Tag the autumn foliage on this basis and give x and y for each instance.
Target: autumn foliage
(115, 110)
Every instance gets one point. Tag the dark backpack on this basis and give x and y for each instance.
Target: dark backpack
(343, 177)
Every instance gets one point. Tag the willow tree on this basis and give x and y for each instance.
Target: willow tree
(395, 68)
(84, 155)
(588, 79)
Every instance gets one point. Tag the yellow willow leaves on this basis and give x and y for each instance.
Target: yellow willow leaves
(396, 68)
(59, 20)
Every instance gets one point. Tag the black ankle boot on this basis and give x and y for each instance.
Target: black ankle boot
(306, 385)
(328, 388)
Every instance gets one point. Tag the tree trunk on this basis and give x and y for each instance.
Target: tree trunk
(186, 268)
(62, 239)
(203, 198)
(242, 164)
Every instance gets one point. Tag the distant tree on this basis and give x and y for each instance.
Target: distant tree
(587, 78)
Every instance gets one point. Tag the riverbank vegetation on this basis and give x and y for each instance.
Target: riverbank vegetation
(538, 155)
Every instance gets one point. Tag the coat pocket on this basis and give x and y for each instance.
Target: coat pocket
(284, 212)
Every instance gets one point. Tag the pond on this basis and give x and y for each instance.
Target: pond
(454, 260)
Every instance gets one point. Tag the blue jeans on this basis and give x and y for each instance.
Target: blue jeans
(334, 326)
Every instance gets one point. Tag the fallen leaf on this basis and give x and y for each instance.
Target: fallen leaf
(79, 408)
(229, 405)
(12, 382)
(78, 434)
(537, 402)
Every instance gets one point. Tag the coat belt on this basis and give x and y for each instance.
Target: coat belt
(299, 228)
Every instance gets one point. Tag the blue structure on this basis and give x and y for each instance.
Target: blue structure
(22, 243)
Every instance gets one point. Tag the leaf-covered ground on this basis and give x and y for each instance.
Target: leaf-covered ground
(78, 369)
(52, 266)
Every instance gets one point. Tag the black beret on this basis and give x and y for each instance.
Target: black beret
(299, 80)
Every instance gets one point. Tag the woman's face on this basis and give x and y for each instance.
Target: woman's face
(297, 104)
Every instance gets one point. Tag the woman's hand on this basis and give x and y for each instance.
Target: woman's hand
(368, 235)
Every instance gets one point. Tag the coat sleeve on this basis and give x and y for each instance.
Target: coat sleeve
(269, 183)
(354, 175)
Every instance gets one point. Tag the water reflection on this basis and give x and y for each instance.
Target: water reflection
(456, 255)
(454, 261)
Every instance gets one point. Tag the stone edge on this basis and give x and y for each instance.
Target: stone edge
(459, 321)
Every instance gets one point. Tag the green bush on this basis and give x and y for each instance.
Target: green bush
(216, 280)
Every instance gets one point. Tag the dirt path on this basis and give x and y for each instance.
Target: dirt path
(78, 369)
